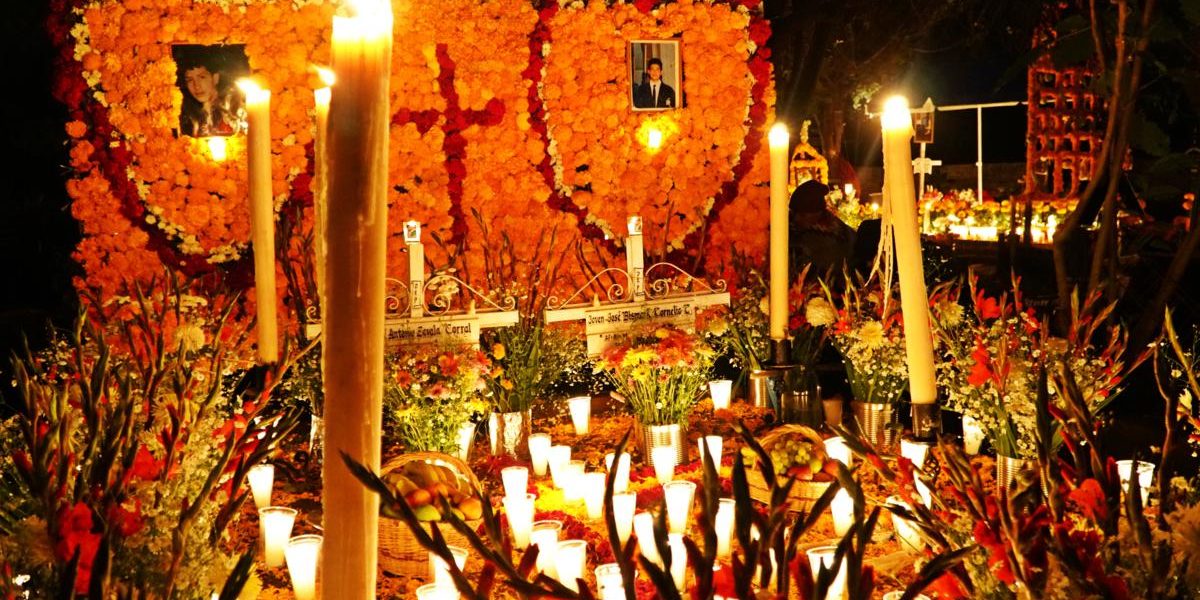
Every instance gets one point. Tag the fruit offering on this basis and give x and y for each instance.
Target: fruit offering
(423, 484)
(796, 452)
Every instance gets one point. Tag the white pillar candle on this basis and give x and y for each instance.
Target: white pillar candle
(570, 562)
(581, 412)
(679, 561)
(545, 537)
(972, 435)
(572, 480)
(434, 591)
(519, 510)
(679, 496)
(914, 300)
(643, 525)
(539, 452)
(842, 509)
(663, 459)
(516, 480)
(262, 215)
(440, 571)
(593, 494)
(275, 525)
(623, 507)
(303, 554)
(837, 449)
(621, 482)
(609, 582)
(908, 534)
(714, 443)
(262, 480)
(723, 523)
(823, 556)
(777, 139)
(321, 97)
(559, 457)
(1145, 476)
(720, 390)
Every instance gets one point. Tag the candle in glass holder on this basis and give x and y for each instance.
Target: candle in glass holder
(559, 457)
(623, 507)
(663, 459)
(906, 532)
(520, 518)
(842, 509)
(679, 560)
(679, 496)
(609, 582)
(621, 482)
(643, 525)
(572, 480)
(593, 494)
(303, 554)
(1145, 476)
(440, 571)
(972, 435)
(916, 451)
(723, 523)
(897, 595)
(275, 525)
(435, 591)
(837, 449)
(545, 537)
(262, 479)
(720, 390)
(581, 412)
(516, 480)
(539, 452)
(822, 556)
(570, 562)
(714, 443)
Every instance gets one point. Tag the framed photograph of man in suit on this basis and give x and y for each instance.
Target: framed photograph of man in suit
(656, 75)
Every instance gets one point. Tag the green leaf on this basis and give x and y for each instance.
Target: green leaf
(1147, 136)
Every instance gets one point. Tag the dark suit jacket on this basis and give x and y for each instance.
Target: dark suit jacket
(643, 99)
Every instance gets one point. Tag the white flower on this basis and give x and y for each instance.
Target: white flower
(871, 334)
(819, 312)
(190, 336)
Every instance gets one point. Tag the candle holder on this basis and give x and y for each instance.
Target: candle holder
(559, 456)
(822, 558)
(842, 509)
(539, 452)
(262, 480)
(716, 444)
(571, 562)
(972, 435)
(720, 390)
(440, 571)
(275, 527)
(545, 537)
(516, 480)
(723, 523)
(435, 591)
(621, 482)
(663, 458)
(623, 507)
(303, 555)
(643, 525)
(572, 479)
(679, 496)
(593, 494)
(679, 560)
(609, 582)
(927, 421)
(581, 413)
(519, 510)
(838, 449)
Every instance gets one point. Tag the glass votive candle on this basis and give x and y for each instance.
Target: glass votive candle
(621, 483)
(720, 390)
(275, 525)
(581, 413)
(1145, 476)
(898, 594)
(539, 452)
(915, 451)
(609, 582)
(723, 523)
(438, 569)
(593, 494)
(713, 443)
(572, 476)
(842, 509)
(516, 480)
(623, 507)
(643, 525)
(678, 496)
(519, 510)
(822, 556)
(663, 459)
(570, 562)
(972, 435)
(435, 591)
(261, 479)
(303, 554)
(908, 534)
(559, 457)
(837, 449)
(545, 537)
(679, 561)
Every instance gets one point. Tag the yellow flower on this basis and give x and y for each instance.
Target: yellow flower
(871, 334)
(498, 351)
(506, 384)
(819, 312)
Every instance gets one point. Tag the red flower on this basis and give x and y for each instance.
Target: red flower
(126, 522)
(988, 308)
(980, 372)
(75, 535)
(644, 6)
(1091, 500)
(145, 466)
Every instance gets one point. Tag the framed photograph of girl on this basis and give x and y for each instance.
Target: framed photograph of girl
(656, 75)
(207, 75)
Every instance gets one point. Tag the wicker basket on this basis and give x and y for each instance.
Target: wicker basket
(399, 551)
(803, 493)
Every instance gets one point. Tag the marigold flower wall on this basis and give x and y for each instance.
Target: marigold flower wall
(518, 113)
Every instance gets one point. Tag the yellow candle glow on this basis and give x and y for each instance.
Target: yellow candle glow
(593, 494)
(572, 476)
(262, 214)
(663, 458)
(581, 412)
(217, 148)
(275, 526)
(643, 524)
(516, 480)
(559, 456)
(570, 562)
(822, 557)
(303, 554)
(609, 582)
(623, 507)
(712, 443)
(837, 449)
(539, 452)
(654, 138)
(621, 482)
(321, 97)
(545, 537)
(436, 591)
(356, 231)
(262, 480)
(723, 523)
(778, 141)
(899, 192)
(679, 560)
(679, 496)
(842, 509)
(520, 511)
(720, 390)
(440, 571)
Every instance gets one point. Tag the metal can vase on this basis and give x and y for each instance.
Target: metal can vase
(658, 436)
(508, 433)
(879, 422)
(1007, 470)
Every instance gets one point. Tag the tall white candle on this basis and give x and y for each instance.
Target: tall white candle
(516, 480)
(519, 510)
(635, 258)
(623, 506)
(262, 215)
(539, 452)
(663, 458)
(262, 480)
(356, 244)
(303, 554)
(275, 525)
(679, 496)
(320, 183)
(581, 413)
(723, 523)
(899, 191)
(778, 141)
(842, 509)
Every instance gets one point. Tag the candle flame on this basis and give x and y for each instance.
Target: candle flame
(654, 138)
(778, 136)
(327, 76)
(635, 225)
(217, 148)
(895, 113)
(254, 93)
